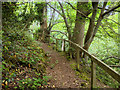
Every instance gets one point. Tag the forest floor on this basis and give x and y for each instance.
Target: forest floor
(63, 76)
(61, 72)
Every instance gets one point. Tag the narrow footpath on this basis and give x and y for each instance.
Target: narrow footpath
(63, 76)
(61, 73)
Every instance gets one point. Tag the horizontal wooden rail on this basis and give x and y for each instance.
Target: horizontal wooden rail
(97, 61)
(115, 66)
(104, 66)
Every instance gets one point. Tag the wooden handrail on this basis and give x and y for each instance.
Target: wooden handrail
(117, 66)
(97, 61)
(104, 66)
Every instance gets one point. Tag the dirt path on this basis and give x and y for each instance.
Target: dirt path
(62, 74)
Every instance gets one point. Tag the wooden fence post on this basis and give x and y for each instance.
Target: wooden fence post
(64, 46)
(93, 74)
(49, 42)
(78, 59)
(70, 52)
(56, 44)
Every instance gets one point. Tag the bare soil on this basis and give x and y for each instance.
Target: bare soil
(63, 76)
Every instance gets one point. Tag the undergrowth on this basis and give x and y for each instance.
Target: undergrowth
(23, 65)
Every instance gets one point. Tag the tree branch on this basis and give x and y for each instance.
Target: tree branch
(110, 10)
(99, 20)
(91, 26)
(106, 31)
(111, 28)
(64, 17)
(50, 27)
(65, 20)
(111, 57)
(55, 9)
(113, 21)
(60, 32)
(115, 66)
(77, 10)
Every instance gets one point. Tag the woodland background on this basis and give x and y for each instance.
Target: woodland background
(92, 25)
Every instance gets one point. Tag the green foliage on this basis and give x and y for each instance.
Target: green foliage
(21, 53)
(104, 48)
(56, 61)
(20, 48)
(81, 74)
(32, 83)
(40, 7)
(73, 66)
(52, 66)
(106, 78)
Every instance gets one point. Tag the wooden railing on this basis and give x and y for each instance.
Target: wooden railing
(94, 61)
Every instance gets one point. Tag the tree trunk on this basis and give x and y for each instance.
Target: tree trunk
(91, 26)
(93, 30)
(42, 15)
(90, 30)
(78, 34)
(43, 25)
(119, 36)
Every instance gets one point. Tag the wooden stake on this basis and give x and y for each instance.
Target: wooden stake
(64, 46)
(78, 59)
(56, 44)
(93, 74)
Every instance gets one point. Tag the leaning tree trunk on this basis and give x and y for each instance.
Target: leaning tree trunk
(90, 29)
(91, 25)
(93, 30)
